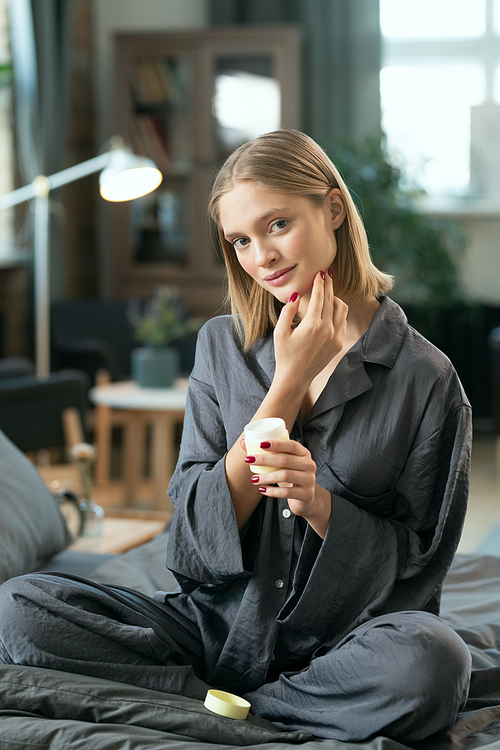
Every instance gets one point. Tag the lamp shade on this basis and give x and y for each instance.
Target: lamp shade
(128, 176)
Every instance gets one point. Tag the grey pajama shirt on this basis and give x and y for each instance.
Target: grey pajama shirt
(339, 637)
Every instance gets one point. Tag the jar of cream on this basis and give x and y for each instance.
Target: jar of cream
(272, 428)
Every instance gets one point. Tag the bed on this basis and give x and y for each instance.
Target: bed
(52, 710)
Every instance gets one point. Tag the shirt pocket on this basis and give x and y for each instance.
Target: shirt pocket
(380, 505)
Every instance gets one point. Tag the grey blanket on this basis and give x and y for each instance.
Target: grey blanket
(53, 710)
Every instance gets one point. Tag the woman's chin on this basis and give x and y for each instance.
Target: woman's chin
(280, 294)
(283, 294)
(283, 297)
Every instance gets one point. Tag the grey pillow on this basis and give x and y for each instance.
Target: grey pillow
(31, 526)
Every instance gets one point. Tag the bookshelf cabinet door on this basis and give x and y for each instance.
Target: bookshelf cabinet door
(246, 100)
(160, 224)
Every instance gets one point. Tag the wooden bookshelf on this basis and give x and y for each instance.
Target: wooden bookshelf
(168, 107)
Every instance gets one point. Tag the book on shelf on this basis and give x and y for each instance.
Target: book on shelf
(169, 80)
(153, 82)
(151, 141)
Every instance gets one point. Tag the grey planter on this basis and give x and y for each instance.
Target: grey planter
(155, 367)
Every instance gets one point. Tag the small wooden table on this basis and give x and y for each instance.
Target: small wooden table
(121, 534)
(163, 408)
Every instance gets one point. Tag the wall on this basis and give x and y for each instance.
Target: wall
(481, 265)
(479, 221)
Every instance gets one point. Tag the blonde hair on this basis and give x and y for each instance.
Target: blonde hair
(290, 162)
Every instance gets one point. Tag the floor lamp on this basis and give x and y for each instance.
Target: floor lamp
(124, 176)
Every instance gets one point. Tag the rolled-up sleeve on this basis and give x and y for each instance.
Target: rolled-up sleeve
(204, 543)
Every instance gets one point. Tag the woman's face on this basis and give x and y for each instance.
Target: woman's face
(281, 240)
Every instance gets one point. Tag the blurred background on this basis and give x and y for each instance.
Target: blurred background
(403, 94)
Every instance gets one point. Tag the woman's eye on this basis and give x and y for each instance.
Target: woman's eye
(240, 243)
(280, 224)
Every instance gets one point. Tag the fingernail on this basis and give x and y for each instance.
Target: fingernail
(265, 444)
(262, 489)
(322, 274)
(294, 296)
(330, 274)
(255, 480)
(249, 459)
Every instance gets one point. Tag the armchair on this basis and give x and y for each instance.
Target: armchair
(38, 413)
(92, 335)
(15, 367)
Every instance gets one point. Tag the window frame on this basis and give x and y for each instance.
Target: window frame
(483, 49)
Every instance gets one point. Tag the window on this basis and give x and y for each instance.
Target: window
(440, 59)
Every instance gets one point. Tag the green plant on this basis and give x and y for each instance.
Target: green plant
(162, 319)
(422, 253)
(5, 74)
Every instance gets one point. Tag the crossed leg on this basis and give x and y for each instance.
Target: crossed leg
(405, 675)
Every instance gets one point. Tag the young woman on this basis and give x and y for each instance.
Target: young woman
(313, 589)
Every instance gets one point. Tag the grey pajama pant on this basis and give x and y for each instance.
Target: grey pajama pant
(405, 675)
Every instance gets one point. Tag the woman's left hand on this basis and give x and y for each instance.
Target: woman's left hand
(295, 475)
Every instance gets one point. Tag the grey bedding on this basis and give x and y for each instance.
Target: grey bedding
(53, 710)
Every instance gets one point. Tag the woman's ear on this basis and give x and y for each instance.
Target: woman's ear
(337, 207)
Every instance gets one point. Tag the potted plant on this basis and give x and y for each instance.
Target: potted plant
(423, 253)
(157, 323)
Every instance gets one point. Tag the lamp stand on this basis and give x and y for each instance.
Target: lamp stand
(42, 284)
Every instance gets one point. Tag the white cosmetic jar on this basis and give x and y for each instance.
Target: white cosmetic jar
(272, 428)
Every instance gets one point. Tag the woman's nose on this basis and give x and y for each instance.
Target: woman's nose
(265, 253)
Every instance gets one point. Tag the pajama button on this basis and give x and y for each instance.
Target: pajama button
(286, 513)
(279, 584)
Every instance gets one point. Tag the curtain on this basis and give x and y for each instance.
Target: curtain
(341, 59)
(41, 36)
(41, 47)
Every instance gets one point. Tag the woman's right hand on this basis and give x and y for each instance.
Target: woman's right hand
(301, 353)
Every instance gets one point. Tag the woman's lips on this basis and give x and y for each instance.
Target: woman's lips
(279, 277)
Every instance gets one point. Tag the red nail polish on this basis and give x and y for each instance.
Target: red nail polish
(262, 489)
(322, 274)
(249, 459)
(293, 297)
(330, 274)
(255, 480)
(265, 444)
